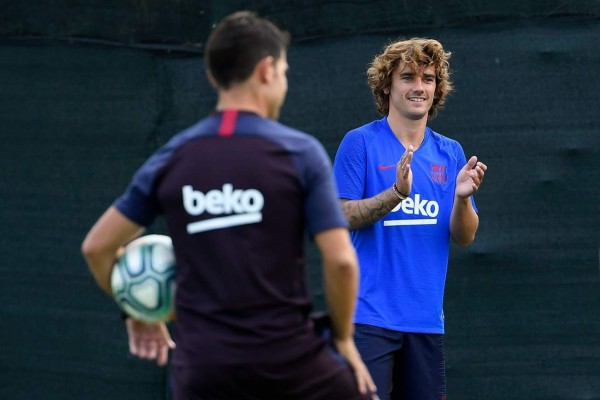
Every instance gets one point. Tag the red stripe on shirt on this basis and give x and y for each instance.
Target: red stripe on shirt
(228, 121)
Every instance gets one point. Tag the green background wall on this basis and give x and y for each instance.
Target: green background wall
(89, 90)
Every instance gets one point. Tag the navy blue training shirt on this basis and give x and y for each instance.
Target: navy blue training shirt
(237, 192)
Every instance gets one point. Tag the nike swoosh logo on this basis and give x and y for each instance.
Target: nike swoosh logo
(385, 167)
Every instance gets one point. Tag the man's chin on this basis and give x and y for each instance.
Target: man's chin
(417, 116)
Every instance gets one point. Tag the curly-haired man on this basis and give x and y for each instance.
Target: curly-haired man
(406, 190)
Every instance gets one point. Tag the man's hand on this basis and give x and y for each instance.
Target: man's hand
(404, 175)
(347, 349)
(470, 178)
(149, 341)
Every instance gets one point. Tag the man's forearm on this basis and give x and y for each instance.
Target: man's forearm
(102, 242)
(361, 213)
(341, 285)
(463, 222)
(340, 273)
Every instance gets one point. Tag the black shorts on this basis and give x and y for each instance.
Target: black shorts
(403, 365)
(324, 376)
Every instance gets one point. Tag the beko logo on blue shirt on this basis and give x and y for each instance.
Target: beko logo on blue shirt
(241, 207)
(416, 206)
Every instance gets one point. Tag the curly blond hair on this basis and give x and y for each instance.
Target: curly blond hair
(417, 53)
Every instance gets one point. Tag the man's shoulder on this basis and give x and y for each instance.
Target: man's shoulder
(290, 138)
(288, 130)
(368, 129)
(205, 126)
(444, 142)
(440, 137)
(365, 133)
(247, 124)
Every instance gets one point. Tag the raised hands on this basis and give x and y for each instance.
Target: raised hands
(470, 178)
(403, 172)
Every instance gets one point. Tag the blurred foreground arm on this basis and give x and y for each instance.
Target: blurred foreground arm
(100, 250)
(149, 341)
(340, 269)
(112, 231)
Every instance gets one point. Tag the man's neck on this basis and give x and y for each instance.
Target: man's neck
(240, 99)
(408, 131)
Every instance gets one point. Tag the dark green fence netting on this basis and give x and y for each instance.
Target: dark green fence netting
(88, 90)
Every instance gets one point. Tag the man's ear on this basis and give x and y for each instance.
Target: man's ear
(265, 69)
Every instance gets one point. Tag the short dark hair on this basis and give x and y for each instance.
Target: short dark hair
(238, 43)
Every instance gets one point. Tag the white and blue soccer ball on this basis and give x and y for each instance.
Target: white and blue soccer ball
(143, 279)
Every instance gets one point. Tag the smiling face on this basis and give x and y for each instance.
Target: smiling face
(412, 92)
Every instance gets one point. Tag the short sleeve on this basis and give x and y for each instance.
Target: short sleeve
(322, 207)
(349, 168)
(139, 202)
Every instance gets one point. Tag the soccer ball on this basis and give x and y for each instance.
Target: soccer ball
(143, 279)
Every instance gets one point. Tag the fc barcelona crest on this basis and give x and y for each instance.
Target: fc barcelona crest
(438, 173)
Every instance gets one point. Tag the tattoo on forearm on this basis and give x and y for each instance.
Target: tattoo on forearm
(365, 212)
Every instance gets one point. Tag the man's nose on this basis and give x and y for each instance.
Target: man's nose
(418, 85)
